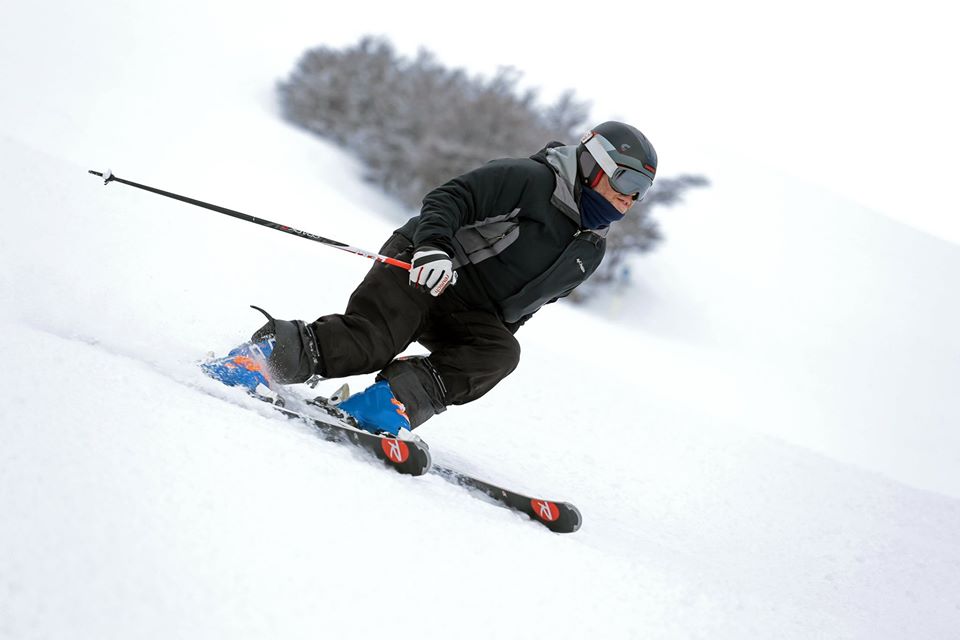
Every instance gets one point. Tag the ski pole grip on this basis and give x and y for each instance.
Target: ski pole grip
(106, 175)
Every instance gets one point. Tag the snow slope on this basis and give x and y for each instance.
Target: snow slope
(134, 499)
(139, 499)
(843, 315)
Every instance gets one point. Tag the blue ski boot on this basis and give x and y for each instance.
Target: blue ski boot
(377, 410)
(245, 366)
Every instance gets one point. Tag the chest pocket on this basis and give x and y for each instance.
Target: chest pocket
(577, 262)
(490, 237)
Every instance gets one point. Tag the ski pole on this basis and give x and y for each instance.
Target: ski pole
(108, 177)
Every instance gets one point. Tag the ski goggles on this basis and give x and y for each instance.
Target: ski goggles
(623, 178)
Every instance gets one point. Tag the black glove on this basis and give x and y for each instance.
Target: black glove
(295, 356)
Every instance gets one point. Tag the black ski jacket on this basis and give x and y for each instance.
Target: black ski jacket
(512, 227)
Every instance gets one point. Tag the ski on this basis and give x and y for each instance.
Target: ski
(411, 457)
(243, 368)
(406, 455)
(559, 517)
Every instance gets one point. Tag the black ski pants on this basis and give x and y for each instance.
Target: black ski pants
(470, 349)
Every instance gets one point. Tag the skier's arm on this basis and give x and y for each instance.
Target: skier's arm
(486, 191)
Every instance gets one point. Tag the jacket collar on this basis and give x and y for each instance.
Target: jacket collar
(566, 195)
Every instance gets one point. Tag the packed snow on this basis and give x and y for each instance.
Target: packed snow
(759, 432)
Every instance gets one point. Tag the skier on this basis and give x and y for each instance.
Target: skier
(488, 249)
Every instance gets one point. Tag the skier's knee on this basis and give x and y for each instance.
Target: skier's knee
(418, 386)
(511, 356)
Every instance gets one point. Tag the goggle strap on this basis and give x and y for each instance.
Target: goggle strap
(595, 147)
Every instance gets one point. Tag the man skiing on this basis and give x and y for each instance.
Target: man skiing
(488, 249)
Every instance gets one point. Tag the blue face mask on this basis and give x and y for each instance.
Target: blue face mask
(596, 212)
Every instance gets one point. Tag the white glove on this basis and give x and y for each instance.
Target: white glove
(433, 270)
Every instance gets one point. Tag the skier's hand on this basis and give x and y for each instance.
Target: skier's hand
(432, 269)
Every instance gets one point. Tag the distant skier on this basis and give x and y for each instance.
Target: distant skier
(512, 235)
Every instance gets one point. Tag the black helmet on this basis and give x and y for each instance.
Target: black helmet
(623, 153)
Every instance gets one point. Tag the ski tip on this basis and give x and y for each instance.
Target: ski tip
(559, 517)
(428, 459)
(406, 456)
(576, 519)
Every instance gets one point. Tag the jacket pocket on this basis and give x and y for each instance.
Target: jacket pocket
(490, 237)
(577, 262)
